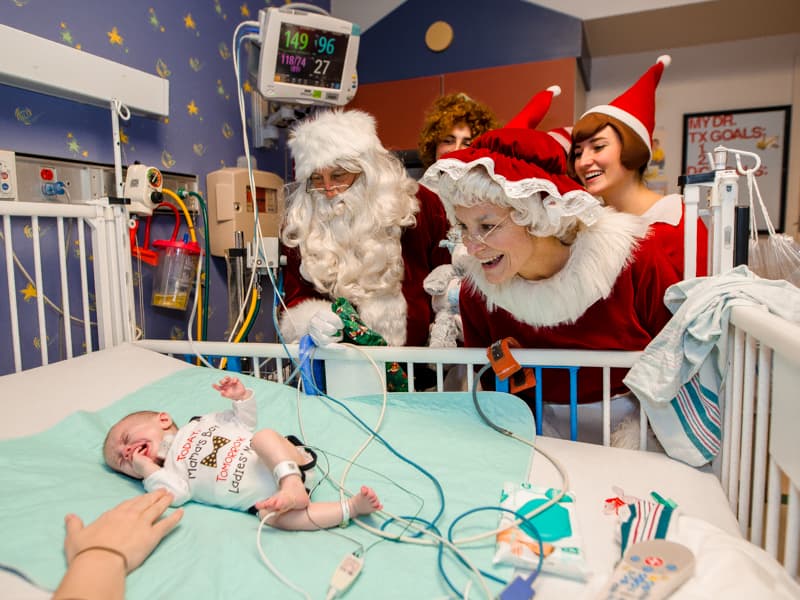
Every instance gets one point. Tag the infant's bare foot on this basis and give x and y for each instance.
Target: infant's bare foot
(364, 503)
(291, 496)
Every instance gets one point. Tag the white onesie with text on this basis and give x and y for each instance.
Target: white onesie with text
(211, 461)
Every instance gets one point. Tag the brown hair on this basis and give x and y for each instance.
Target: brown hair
(447, 112)
(635, 154)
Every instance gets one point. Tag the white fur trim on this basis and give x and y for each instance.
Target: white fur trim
(576, 203)
(555, 90)
(561, 138)
(624, 116)
(322, 140)
(293, 323)
(597, 257)
(665, 59)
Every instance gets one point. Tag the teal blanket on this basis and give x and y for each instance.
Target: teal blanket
(213, 554)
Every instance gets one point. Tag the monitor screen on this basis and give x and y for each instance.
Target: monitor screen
(309, 56)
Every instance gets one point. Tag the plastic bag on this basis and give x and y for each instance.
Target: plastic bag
(776, 256)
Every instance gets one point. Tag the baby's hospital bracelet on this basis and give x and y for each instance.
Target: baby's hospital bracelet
(106, 549)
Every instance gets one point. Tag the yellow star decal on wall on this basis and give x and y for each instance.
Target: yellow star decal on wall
(192, 108)
(28, 292)
(244, 10)
(246, 87)
(188, 22)
(114, 37)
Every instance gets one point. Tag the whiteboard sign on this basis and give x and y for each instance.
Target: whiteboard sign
(764, 131)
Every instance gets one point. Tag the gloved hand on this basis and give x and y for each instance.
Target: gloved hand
(325, 327)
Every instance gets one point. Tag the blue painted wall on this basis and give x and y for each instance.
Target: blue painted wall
(190, 44)
(486, 34)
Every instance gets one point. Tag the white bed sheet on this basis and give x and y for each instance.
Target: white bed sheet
(37, 399)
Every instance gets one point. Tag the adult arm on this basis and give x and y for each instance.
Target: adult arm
(101, 554)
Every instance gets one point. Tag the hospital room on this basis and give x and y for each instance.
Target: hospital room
(494, 299)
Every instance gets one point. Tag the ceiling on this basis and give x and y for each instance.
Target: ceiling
(691, 24)
(621, 27)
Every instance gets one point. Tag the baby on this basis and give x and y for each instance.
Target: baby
(219, 459)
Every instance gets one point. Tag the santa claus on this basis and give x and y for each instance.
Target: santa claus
(357, 227)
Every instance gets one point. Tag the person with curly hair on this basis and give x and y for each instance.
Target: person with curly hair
(452, 123)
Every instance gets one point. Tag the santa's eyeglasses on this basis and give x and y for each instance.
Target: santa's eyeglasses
(337, 181)
(465, 237)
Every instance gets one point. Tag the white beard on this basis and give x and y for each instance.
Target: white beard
(348, 253)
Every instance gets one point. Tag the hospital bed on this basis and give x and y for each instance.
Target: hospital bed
(749, 493)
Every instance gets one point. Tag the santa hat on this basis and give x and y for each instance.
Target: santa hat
(535, 110)
(636, 107)
(324, 139)
(529, 165)
(563, 135)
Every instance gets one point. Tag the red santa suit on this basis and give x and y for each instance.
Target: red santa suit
(666, 218)
(609, 296)
(609, 293)
(421, 254)
(372, 243)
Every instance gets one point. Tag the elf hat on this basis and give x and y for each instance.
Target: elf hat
(535, 110)
(563, 135)
(529, 166)
(636, 107)
(331, 136)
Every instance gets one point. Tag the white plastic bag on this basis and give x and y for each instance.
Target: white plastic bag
(776, 256)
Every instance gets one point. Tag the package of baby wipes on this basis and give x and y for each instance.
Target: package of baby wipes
(556, 526)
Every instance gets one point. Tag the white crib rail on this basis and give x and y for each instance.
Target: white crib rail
(349, 373)
(760, 463)
(101, 275)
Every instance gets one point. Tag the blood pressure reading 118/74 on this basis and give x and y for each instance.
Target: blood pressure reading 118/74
(308, 56)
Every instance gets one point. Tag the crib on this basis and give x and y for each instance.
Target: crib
(757, 473)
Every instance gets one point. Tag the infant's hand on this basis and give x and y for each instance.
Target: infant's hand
(231, 388)
(142, 464)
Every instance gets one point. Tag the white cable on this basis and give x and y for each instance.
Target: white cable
(270, 566)
(408, 524)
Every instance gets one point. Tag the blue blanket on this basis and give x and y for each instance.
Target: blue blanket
(212, 553)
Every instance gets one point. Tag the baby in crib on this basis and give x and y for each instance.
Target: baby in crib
(219, 459)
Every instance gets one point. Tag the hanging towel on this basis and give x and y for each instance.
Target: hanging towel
(678, 377)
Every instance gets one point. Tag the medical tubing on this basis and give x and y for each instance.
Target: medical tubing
(206, 257)
(252, 321)
(559, 467)
(410, 523)
(305, 7)
(526, 520)
(193, 237)
(186, 215)
(270, 566)
(388, 446)
(175, 229)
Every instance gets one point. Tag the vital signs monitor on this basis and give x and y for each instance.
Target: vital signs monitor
(307, 58)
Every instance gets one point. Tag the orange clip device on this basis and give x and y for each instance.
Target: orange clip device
(505, 365)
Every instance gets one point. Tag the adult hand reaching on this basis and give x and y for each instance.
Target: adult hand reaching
(100, 554)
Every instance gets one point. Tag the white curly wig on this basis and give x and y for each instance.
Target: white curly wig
(349, 244)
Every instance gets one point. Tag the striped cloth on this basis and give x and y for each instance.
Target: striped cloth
(643, 520)
(678, 377)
